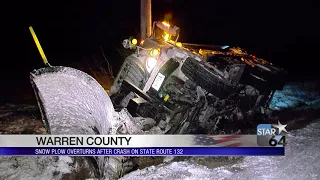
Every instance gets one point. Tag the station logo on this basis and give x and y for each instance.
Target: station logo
(271, 134)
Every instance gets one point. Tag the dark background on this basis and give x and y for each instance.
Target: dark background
(283, 32)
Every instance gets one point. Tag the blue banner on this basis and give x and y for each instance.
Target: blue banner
(159, 151)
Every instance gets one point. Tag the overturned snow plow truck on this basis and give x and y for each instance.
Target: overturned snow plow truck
(190, 88)
(164, 87)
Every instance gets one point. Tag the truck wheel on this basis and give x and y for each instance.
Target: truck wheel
(206, 78)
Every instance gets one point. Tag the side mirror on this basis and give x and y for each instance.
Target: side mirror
(130, 43)
(126, 43)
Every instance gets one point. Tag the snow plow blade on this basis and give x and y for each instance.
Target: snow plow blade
(72, 102)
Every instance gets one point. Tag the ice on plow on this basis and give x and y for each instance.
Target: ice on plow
(72, 102)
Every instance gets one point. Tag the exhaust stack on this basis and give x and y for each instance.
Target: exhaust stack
(145, 19)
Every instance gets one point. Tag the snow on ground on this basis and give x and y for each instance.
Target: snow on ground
(174, 170)
(46, 168)
(20, 119)
(302, 161)
(295, 94)
(41, 168)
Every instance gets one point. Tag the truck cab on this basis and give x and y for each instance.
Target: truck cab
(150, 55)
(208, 82)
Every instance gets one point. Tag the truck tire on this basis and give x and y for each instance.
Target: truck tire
(207, 78)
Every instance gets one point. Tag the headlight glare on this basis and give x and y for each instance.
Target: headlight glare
(151, 63)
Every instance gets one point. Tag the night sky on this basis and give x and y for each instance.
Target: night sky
(283, 32)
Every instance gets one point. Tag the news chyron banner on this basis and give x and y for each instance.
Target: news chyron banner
(136, 145)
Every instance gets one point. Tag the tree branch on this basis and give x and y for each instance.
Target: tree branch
(109, 67)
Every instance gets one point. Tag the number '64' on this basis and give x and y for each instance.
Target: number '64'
(274, 142)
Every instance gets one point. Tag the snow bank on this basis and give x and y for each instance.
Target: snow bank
(41, 168)
(176, 170)
(302, 161)
(295, 94)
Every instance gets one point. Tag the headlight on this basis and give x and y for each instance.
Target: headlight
(134, 41)
(154, 52)
(151, 63)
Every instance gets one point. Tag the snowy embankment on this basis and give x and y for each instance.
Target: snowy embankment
(302, 161)
(296, 94)
(34, 167)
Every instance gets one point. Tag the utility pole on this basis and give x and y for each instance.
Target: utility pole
(145, 18)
